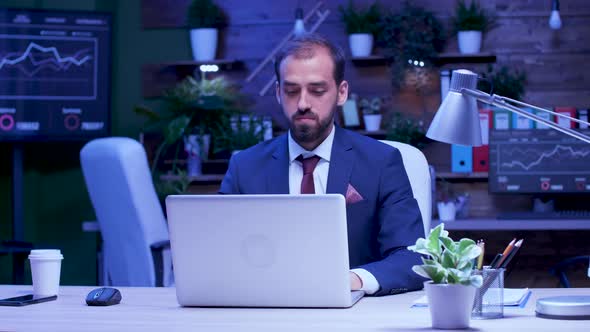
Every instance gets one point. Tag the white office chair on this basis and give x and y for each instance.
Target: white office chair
(132, 224)
(419, 174)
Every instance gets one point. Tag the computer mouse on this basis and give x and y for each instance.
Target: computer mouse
(103, 296)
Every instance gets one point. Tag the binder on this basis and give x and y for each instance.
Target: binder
(521, 122)
(501, 119)
(583, 115)
(569, 111)
(461, 159)
(545, 116)
(481, 154)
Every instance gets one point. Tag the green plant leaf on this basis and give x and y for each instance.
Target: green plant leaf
(476, 281)
(448, 243)
(176, 128)
(449, 259)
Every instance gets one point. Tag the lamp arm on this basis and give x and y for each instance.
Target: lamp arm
(500, 101)
(545, 110)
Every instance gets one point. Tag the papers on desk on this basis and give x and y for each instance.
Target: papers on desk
(513, 297)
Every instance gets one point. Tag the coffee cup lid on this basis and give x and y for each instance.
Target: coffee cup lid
(45, 254)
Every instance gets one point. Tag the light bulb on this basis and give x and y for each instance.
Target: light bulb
(299, 28)
(554, 19)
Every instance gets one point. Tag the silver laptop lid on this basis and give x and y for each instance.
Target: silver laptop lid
(260, 250)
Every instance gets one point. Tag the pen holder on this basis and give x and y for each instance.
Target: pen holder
(489, 298)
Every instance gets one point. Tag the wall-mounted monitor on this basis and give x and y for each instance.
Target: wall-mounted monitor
(54, 75)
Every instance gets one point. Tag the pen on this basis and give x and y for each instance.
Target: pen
(495, 261)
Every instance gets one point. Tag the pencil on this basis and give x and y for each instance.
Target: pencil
(482, 245)
(507, 251)
(512, 254)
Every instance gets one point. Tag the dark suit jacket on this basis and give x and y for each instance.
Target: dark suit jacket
(380, 227)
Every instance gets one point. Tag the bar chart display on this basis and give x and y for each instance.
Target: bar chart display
(538, 161)
(54, 75)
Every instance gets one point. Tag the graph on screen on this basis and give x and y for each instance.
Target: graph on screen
(46, 68)
(54, 75)
(538, 161)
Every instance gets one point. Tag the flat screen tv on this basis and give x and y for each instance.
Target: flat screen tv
(54, 75)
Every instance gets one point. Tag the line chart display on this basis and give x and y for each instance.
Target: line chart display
(538, 161)
(48, 68)
(54, 75)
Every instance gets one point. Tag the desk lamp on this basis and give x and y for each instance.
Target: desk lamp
(457, 122)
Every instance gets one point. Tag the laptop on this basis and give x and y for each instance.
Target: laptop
(260, 250)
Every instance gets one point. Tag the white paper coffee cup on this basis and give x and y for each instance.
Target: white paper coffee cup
(45, 271)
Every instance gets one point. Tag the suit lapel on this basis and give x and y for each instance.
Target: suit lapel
(277, 181)
(341, 161)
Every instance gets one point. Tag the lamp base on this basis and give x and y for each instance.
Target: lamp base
(564, 307)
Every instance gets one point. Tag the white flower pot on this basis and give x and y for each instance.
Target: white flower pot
(197, 149)
(469, 41)
(372, 122)
(450, 305)
(204, 44)
(361, 44)
(446, 211)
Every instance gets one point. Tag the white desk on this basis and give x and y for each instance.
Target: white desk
(156, 309)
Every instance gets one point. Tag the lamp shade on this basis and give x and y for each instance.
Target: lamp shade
(457, 118)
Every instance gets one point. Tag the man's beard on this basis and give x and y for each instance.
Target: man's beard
(305, 133)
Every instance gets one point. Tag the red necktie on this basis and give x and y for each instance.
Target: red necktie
(309, 165)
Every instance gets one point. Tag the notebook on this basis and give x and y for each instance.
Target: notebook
(260, 250)
(513, 297)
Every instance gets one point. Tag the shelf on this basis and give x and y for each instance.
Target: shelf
(157, 77)
(205, 178)
(448, 58)
(462, 176)
(442, 59)
(491, 224)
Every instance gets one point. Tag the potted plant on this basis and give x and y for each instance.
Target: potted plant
(446, 201)
(361, 25)
(245, 131)
(470, 22)
(204, 18)
(371, 113)
(503, 81)
(406, 130)
(448, 265)
(411, 39)
(194, 111)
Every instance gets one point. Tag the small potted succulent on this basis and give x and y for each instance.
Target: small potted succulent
(451, 288)
(470, 23)
(371, 113)
(204, 17)
(361, 25)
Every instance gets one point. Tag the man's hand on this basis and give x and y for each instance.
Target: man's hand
(355, 282)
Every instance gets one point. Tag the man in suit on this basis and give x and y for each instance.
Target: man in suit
(383, 217)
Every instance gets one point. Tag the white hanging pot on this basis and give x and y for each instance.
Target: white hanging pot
(450, 305)
(372, 122)
(361, 44)
(469, 41)
(446, 211)
(204, 44)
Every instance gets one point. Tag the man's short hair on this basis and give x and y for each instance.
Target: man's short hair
(304, 47)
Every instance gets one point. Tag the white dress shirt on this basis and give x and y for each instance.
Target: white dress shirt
(320, 181)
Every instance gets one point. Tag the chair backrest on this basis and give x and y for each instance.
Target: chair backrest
(419, 174)
(129, 213)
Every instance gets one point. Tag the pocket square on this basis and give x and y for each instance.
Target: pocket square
(352, 196)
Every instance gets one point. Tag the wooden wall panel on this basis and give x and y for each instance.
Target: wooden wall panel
(555, 61)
